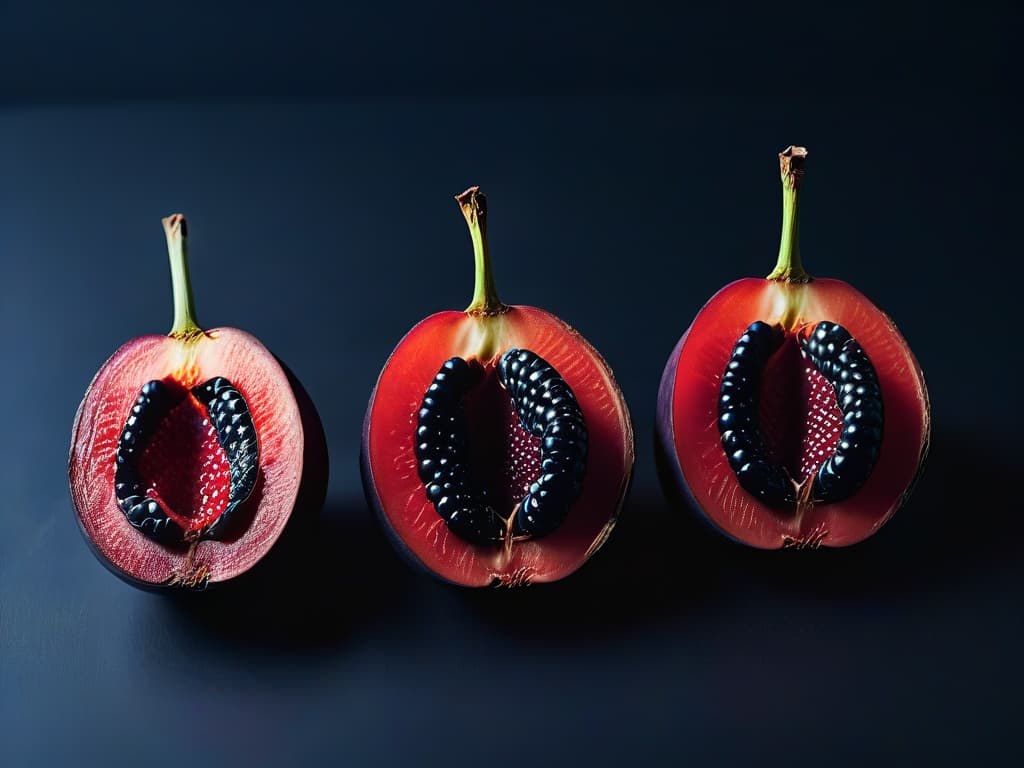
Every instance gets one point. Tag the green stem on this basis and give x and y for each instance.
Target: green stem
(185, 324)
(473, 203)
(789, 267)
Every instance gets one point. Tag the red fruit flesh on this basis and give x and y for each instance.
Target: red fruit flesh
(799, 415)
(500, 447)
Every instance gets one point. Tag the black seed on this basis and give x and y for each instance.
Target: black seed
(735, 420)
(737, 380)
(568, 429)
(740, 457)
(766, 482)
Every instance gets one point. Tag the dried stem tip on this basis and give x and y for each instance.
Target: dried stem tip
(473, 203)
(791, 165)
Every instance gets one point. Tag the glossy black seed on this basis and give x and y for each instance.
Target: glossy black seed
(454, 364)
(568, 429)
(736, 403)
(765, 481)
(736, 420)
(476, 523)
(740, 458)
(438, 391)
(738, 381)
(449, 504)
(427, 467)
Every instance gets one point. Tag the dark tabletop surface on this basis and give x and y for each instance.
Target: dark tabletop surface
(629, 161)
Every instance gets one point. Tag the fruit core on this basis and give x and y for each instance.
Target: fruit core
(800, 414)
(503, 457)
(501, 450)
(184, 468)
(186, 459)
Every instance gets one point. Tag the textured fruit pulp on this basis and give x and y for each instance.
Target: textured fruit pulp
(799, 414)
(184, 468)
(504, 458)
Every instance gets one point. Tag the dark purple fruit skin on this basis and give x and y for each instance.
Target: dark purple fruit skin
(308, 501)
(316, 465)
(670, 473)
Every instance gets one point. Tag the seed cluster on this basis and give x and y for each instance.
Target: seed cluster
(738, 417)
(548, 410)
(230, 417)
(144, 513)
(236, 433)
(442, 453)
(847, 368)
(841, 360)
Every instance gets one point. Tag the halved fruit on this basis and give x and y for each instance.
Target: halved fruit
(792, 412)
(497, 447)
(190, 451)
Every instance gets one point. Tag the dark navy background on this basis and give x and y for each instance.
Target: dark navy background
(629, 158)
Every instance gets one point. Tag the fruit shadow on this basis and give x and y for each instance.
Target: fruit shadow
(957, 527)
(645, 573)
(321, 584)
(662, 564)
